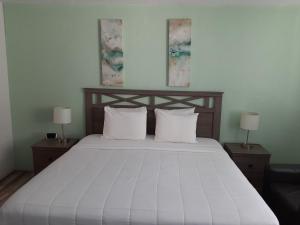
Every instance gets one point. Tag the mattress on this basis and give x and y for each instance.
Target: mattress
(112, 182)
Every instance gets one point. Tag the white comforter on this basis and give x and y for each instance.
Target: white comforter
(141, 183)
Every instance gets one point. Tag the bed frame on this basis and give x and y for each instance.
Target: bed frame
(207, 104)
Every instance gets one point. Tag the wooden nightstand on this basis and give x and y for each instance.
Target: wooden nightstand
(47, 151)
(251, 162)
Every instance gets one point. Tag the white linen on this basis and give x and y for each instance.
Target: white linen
(183, 111)
(117, 182)
(125, 123)
(176, 127)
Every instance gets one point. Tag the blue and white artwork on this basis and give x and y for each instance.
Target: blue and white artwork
(111, 52)
(179, 52)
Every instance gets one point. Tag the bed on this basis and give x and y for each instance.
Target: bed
(101, 181)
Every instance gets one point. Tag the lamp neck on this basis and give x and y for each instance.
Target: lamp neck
(247, 137)
(62, 132)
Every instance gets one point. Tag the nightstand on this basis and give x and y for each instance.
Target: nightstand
(47, 151)
(252, 162)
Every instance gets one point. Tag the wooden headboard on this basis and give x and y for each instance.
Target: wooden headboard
(207, 104)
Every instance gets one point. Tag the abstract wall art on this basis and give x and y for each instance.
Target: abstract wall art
(179, 52)
(111, 52)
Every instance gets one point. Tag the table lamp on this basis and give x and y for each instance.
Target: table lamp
(62, 116)
(249, 122)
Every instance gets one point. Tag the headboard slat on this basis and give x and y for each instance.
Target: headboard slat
(209, 119)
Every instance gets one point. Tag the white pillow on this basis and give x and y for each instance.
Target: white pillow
(125, 123)
(183, 111)
(136, 109)
(176, 128)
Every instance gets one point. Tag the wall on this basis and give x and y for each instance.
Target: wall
(6, 148)
(250, 53)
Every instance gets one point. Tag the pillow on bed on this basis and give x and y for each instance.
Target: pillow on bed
(125, 123)
(177, 111)
(176, 127)
(135, 109)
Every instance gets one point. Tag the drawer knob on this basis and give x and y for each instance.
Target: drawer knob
(250, 166)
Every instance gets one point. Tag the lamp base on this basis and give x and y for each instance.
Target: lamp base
(63, 140)
(246, 146)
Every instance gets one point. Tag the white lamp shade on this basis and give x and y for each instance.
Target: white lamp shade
(249, 121)
(61, 115)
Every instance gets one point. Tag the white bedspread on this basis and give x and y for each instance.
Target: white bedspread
(140, 183)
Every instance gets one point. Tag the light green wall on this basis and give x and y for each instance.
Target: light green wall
(250, 53)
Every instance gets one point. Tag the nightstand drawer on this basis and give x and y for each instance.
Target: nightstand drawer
(249, 164)
(44, 158)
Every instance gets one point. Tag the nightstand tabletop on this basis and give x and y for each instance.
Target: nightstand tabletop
(237, 149)
(55, 144)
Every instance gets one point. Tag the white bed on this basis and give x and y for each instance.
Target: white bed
(141, 183)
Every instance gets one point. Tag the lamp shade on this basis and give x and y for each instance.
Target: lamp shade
(249, 121)
(61, 115)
